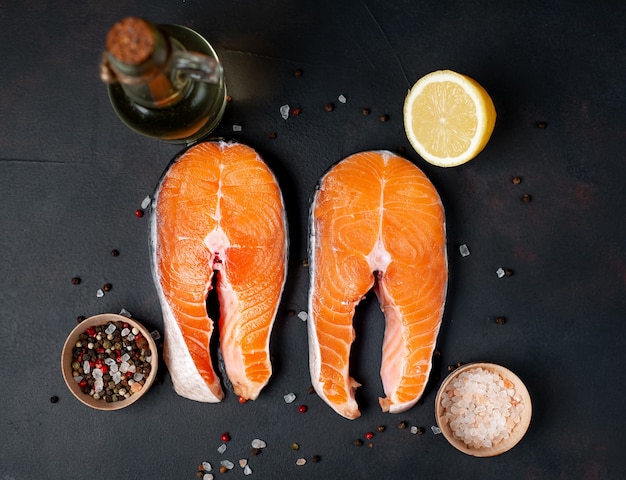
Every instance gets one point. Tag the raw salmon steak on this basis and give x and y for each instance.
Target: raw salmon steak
(376, 222)
(218, 221)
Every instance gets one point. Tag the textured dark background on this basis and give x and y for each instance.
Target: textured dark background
(72, 176)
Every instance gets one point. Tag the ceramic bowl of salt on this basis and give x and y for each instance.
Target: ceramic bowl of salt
(109, 361)
(483, 409)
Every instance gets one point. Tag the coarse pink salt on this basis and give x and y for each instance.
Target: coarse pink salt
(481, 408)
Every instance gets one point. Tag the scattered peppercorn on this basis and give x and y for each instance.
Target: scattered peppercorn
(402, 425)
(225, 437)
(295, 446)
(358, 442)
(516, 180)
(508, 272)
(229, 99)
(369, 435)
(115, 253)
(365, 111)
(305, 263)
(298, 73)
(316, 458)
(296, 111)
(223, 469)
(500, 320)
(54, 399)
(420, 430)
(256, 451)
(526, 198)
(329, 107)
(451, 368)
(242, 399)
(138, 213)
(200, 474)
(310, 390)
(384, 118)
(80, 318)
(272, 135)
(107, 287)
(542, 125)
(75, 281)
(380, 428)
(303, 408)
(401, 149)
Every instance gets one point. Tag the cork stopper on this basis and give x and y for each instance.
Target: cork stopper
(131, 41)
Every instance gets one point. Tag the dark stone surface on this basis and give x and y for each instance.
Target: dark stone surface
(72, 176)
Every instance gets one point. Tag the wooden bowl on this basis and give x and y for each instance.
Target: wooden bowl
(515, 435)
(68, 351)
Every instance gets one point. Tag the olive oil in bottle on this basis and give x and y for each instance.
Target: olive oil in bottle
(164, 81)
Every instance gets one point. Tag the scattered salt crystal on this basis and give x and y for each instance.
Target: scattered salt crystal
(303, 316)
(464, 250)
(243, 462)
(208, 476)
(98, 385)
(138, 377)
(155, 335)
(342, 99)
(227, 463)
(301, 461)
(125, 331)
(237, 128)
(145, 203)
(78, 378)
(97, 373)
(125, 313)
(207, 466)
(500, 272)
(436, 430)
(132, 368)
(124, 367)
(86, 366)
(110, 329)
(99, 293)
(221, 448)
(290, 397)
(414, 430)
(284, 111)
(258, 443)
(114, 368)
(130, 337)
(125, 357)
(116, 377)
(247, 470)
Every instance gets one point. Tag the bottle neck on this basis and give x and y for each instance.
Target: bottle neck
(138, 56)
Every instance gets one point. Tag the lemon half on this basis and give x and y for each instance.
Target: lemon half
(448, 118)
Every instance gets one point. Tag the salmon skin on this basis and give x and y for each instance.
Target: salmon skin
(218, 212)
(376, 222)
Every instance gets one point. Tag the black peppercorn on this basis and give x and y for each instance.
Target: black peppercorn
(365, 111)
(329, 107)
(298, 73)
(107, 287)
(402, 425)
(526, 198)
(316, 458)
(54, 399)
(500, 320)
(115, 253)
(273, 135)
(542, 125)
(75, 281)
(516, 180)
(358, 442)
(384, 118)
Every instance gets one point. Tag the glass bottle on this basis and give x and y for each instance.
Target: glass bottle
(164, 81)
